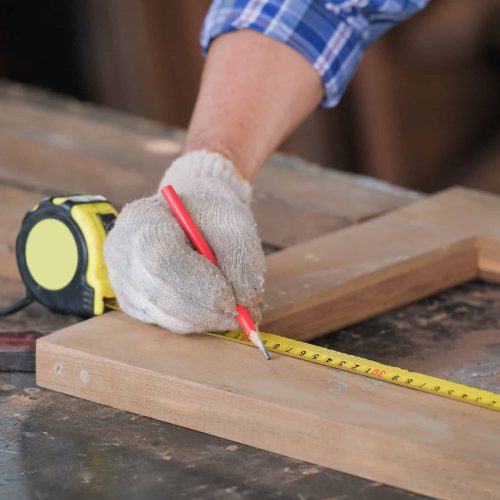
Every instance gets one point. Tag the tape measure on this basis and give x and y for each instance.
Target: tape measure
(59, 254)
(354, 364)
(60, 257)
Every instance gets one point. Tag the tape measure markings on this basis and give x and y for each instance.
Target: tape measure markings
(372, 369)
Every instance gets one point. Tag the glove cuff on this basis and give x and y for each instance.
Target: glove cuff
(203, 164)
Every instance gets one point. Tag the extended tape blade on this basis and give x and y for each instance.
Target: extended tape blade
(372, 369)
(361, 366)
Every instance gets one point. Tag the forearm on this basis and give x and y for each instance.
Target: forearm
(254, 92)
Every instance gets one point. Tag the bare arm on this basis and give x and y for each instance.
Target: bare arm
(254, 92)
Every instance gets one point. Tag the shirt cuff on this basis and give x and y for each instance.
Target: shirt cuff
(330, 35)
(330, 45)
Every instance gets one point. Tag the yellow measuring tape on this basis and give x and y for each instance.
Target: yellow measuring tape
(378, 371)
(373, 369)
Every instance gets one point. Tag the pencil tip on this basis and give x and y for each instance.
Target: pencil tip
(255, 338)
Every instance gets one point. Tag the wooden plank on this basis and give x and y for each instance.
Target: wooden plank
(353, 197)
(357, 272)
(312, 302)
(382, 432)
(60, 145)
(60, 150)
(489, 264)
(378, 431)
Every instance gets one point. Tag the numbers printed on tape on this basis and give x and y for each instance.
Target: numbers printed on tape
(365, 367)
(373, 369)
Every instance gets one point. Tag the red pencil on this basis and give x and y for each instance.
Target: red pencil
(182, 215)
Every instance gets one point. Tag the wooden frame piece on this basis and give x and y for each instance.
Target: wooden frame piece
(386, 433)
(347, 276)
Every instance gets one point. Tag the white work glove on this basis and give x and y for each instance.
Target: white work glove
(158, 276)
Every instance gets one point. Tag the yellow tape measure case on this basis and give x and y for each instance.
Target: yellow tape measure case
(59, 253)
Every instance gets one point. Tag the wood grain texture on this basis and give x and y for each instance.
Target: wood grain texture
(357, 272)
(382, 432)
(489, 264)
(55, 145)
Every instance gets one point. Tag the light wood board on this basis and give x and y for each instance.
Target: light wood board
(382, 432)
(352, 274)
(386, 433)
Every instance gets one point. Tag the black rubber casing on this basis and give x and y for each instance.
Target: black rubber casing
(75, 298)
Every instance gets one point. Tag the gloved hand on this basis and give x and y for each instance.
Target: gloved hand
(157, 275)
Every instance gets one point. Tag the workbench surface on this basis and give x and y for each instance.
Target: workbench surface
(53, 445)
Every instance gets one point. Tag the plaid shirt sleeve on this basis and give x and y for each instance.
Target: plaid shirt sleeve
(331, 35)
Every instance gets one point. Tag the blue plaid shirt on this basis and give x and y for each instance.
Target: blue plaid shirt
(330, 35)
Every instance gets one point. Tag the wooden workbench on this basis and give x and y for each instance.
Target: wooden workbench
(50, 145)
